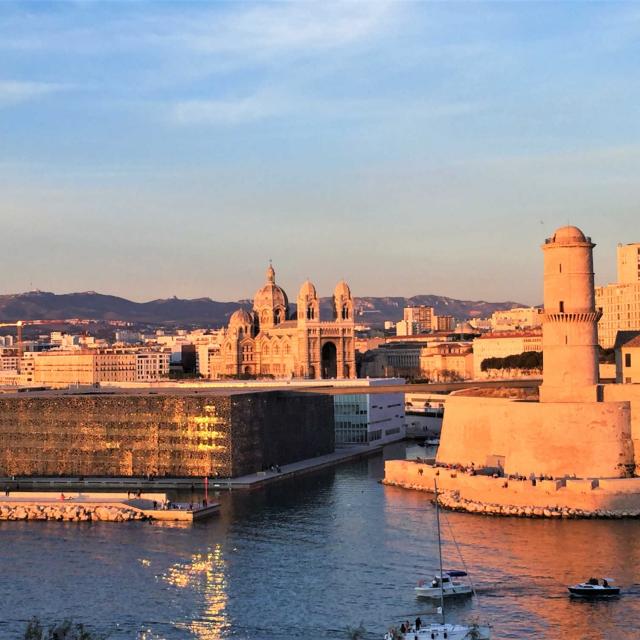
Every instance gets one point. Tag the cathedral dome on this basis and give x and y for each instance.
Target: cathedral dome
(342, 290)
(568, 235)
(270, 294)
(240, 317)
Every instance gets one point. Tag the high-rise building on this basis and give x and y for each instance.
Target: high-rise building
(620, 302)
(418, 319)
(628, 263)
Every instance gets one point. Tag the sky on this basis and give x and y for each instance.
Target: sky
(152, 149)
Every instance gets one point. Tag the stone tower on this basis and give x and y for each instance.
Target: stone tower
(570, 320)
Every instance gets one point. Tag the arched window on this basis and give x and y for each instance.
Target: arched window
(276, 349)
(286, 349)
(345, 312)
(278, 316)
(265, 350)
(310, 313)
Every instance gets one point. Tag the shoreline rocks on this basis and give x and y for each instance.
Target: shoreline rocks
(452, 501)
(69, 512)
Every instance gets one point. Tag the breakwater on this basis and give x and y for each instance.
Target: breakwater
(452, 500)
(70, 512)
(500, 496)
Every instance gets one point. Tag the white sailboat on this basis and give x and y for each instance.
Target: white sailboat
(440, 630)
(446, 583)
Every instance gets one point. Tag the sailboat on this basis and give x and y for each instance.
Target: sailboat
(440, 630)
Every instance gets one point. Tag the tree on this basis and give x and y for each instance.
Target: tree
(525, 360)
(65, 630)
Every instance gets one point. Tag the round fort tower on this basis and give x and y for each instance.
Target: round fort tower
(570, 320)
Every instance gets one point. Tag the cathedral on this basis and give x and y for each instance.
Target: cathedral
(271, 342)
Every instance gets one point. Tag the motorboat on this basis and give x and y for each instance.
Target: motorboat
(594, 588)
(437, 631)
(450, 586)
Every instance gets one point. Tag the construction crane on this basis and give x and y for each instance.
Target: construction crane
(19, 324)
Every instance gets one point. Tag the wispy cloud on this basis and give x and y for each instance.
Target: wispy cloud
(265, 106)
(276, 29)
(14, 92)
(253, 31)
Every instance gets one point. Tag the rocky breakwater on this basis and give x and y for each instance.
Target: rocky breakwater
(69, 512)
(452, 500)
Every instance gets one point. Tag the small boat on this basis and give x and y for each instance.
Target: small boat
(437, 631)
(450, 587)
(431, 442)
(593, 588)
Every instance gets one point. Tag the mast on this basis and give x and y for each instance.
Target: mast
(435, 483)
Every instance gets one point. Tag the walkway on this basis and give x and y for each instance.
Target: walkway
(251, 481)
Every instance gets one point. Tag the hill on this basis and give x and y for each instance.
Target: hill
(40, 305)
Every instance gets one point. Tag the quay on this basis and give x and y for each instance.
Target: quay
(245, 482)
(105, 507)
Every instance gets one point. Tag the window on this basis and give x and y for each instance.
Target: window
(561, 306)
(627, 359)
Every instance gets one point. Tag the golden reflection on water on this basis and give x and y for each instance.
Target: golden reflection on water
(521, 567)
(204, 574)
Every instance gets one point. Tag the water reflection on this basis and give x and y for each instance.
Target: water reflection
(203, 574)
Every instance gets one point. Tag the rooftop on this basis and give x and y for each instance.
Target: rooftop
(494, 335)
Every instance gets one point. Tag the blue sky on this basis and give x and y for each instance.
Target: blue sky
(156, 148)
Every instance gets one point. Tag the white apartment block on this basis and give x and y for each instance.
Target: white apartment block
(516, 319)
(501, 344)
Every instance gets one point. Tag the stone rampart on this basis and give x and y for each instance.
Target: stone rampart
(556, 439)
(631, 394)
(615, 497)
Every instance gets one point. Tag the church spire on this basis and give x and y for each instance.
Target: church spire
(271, 273)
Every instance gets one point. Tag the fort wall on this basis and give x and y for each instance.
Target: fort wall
(556, 439)
(500, 496)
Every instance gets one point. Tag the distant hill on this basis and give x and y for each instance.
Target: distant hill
(370, 308)
(41, 305)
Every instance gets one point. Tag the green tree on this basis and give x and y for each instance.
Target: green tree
(65, 630)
